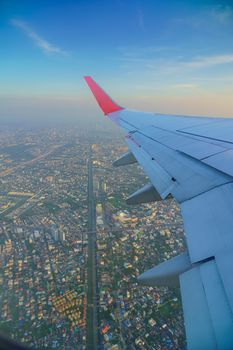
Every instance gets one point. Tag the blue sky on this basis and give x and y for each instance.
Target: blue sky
(170, 56)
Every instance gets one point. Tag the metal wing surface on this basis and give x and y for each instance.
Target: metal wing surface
(190, 159)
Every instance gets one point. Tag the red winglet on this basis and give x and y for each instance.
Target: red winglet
(105, 102)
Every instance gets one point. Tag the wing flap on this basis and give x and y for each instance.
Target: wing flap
(208, 222)
(218, 305)
(196, 148)
(224, 262)
(198, 325)
(222, 161)
(220, 129)
(191, 176)
(208, 317)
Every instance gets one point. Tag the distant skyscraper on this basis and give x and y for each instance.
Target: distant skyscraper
(55, 232)
(61, 235)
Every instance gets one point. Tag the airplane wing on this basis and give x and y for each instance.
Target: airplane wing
(190, 159)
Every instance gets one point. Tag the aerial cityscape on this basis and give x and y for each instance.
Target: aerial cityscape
(71, 249)
(116, 176)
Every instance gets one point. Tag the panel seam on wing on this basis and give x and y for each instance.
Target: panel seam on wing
(210, 189)
(204, 137)
(206, 299)
(224, 289)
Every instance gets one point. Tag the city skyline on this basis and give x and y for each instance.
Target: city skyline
(175, 57)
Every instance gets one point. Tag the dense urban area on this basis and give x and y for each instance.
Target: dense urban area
(71, 249)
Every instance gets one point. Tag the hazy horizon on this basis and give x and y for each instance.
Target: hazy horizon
(174, 58)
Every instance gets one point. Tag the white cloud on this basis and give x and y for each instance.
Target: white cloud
(208, 61)
(176, 64)
(185, 86)
(141, 21)
(208, 17)
(222, 14)
(145, 51)
(43, 44)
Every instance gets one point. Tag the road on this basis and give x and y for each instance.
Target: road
(30, 162)
(92, 323)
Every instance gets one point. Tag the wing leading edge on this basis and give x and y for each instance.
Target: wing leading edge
(191, 159)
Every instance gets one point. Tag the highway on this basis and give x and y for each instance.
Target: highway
(92, 323)
(30, 162)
